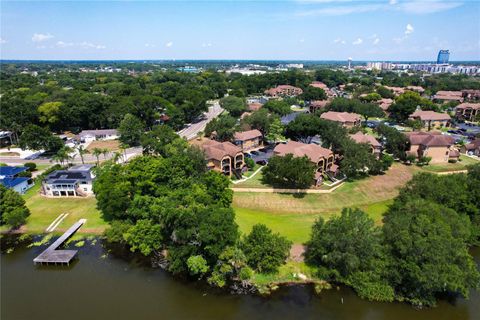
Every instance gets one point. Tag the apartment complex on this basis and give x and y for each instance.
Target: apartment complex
(432, 144)
(431, 119)
(224, 157)
(468, 111)
(449, 96)
(361, 137)
(346, 119)
(284, 90)
(250, 140)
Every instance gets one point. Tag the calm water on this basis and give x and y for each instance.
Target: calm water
(99, 287)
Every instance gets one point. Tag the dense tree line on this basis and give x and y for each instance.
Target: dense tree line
(421, 252)
(166, 200)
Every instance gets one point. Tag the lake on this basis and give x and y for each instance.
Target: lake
(124, 286)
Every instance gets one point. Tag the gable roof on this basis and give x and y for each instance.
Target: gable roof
(247, 135)
(468, 105)
(360, 137)
(430, 139)
(319, 84)
(12, 182)
(430, 115)
(340, 116)
(100, 132)
(475, 144)
(254, 106)
(385, 103)
(298, 149)
(10, 172)
(218, 150)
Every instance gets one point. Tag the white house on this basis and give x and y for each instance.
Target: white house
(103, 134)
(74, 182)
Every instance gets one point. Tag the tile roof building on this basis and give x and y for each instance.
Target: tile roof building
(432, 144)
(316, 105)
(472, 148)
(248, 140)
(254, 106)
(347, 119)
(449, 96)
(431, 119)
(321, 157)
(361, 137)
(468, 111)
(385, 103)
(284, 90)
(224, 157)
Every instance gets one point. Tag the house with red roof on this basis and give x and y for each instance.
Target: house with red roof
(250, 140)
(361, 137)
(432, 144)
(431, 119)
(346, 119)
(224, 157)
(468, 111)
(284, 90)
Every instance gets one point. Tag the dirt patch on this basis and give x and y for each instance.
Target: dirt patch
(296, 252)
(9, 154)
(111, 145)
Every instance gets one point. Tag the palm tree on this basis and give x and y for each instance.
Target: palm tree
(105, 151)
(116, 156)
(62, 155)
(81, 152)
(97, 152)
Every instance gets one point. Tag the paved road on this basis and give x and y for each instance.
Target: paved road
(88, 158)
(192, 130)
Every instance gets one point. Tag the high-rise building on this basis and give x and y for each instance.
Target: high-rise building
(443, 56)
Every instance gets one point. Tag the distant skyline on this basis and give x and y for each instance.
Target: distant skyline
(408, 30)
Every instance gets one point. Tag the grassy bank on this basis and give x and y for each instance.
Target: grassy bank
(45, 210)
(460, 165)
(296, 226)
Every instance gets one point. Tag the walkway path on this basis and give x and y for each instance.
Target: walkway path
(247, 178)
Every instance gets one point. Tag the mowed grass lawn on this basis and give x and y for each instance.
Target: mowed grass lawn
(297, 226)
(43, 211)
(457, 166)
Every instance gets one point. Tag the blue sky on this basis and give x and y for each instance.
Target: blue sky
(297, 29)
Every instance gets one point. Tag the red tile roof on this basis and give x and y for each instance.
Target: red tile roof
(218, 150)
(312, 151)
(467, 105)
(430, 139)
(319, 84)
(449, 95)
(247, 135)
(340, 116)
(430, 115)
(254, 106)
(360, 137)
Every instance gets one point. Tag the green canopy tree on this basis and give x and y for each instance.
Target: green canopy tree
(289, 172)
(13, 211)
(131, 129)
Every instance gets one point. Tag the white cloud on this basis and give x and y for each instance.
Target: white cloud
(376, 41)
(428, 6)
(339, 10)
(84, 44)
(2, 41)
(409, 29)
(301, 40)
(169, 44)
(40, 37)
(407, 6)
(357, 42)
(150, 45)
(341, 41)
(205, 45)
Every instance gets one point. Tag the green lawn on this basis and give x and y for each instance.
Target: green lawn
(460, 165)
(45, 210)
(296, 226)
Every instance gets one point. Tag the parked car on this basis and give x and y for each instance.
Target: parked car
(262, 162)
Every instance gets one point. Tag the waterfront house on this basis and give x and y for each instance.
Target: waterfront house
(346, 119)
(248, 140)
(77, 181)
(432, 144)
(10, 177)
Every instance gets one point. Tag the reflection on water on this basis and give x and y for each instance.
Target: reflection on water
(100, 286)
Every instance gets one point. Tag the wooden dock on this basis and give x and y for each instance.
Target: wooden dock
(53, 256)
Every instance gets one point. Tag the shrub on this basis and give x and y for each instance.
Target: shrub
(250, 163)
(32, 166)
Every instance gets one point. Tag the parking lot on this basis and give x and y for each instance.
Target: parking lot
(261, 156)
